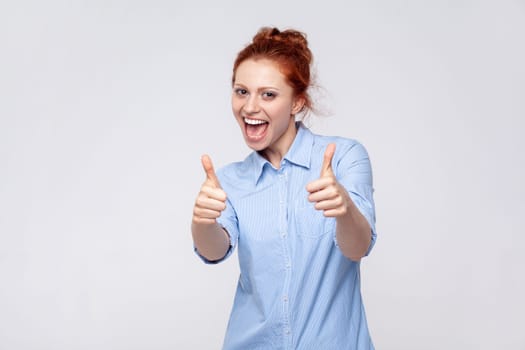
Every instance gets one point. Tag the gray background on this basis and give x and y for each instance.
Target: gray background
(106, 107)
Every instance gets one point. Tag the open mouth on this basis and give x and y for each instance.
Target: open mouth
(255, 128)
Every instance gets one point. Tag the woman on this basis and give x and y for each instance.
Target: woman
(299, 208)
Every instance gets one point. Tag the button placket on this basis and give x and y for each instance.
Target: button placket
(283, 229)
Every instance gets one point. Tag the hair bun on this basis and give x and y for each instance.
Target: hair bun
(288, 37)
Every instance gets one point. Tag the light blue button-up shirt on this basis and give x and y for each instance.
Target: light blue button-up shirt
(296, 290)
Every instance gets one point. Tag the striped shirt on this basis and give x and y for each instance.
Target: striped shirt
(296, 290)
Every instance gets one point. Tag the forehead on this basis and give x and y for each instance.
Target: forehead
(262, 72)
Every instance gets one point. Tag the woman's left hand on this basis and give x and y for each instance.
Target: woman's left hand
(326, 192)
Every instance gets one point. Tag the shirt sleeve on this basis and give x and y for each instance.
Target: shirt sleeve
(354, 172)
(228, 220)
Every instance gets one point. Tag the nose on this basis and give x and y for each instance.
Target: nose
(252, 105)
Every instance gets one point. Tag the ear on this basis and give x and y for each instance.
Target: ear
(298, 105)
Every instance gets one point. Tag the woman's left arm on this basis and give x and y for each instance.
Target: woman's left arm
(353, 232)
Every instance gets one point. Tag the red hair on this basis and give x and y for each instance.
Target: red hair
(289, 49)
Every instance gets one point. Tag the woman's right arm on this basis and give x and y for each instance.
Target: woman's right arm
(210, 239)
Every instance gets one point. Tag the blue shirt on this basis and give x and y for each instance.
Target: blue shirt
(296, 290)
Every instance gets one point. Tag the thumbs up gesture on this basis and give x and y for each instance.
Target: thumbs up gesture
(327, 194)
(211, 200)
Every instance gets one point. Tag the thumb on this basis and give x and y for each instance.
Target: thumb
(326, 169)
(210, 172)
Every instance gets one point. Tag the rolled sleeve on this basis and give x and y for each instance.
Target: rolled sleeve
(361, 195)
(354, 172)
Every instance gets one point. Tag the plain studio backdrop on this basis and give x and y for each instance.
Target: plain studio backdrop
(107, 106)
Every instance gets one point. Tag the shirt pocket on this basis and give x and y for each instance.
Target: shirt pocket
(311, 223)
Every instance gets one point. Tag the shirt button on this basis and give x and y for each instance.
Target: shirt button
(287, 331)
(285, 298)
(288, 265)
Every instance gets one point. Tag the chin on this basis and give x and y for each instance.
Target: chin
(255, 145)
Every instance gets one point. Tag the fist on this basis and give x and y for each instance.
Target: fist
(211, 200)
(328, 194)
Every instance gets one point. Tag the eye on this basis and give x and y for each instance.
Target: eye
(241, 91)
(268, 95)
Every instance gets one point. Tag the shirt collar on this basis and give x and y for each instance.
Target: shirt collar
(299, 153)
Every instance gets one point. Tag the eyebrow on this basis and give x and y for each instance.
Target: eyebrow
(262, 88)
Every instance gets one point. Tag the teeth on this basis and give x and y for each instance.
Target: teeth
(253, 121)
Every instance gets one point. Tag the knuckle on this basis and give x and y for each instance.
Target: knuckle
(199, 202)
(221, 195)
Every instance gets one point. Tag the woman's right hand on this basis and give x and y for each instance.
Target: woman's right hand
(211, 200)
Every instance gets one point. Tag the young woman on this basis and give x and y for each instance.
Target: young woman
(299, 209)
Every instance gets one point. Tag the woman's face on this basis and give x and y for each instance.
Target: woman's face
(264, 106)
